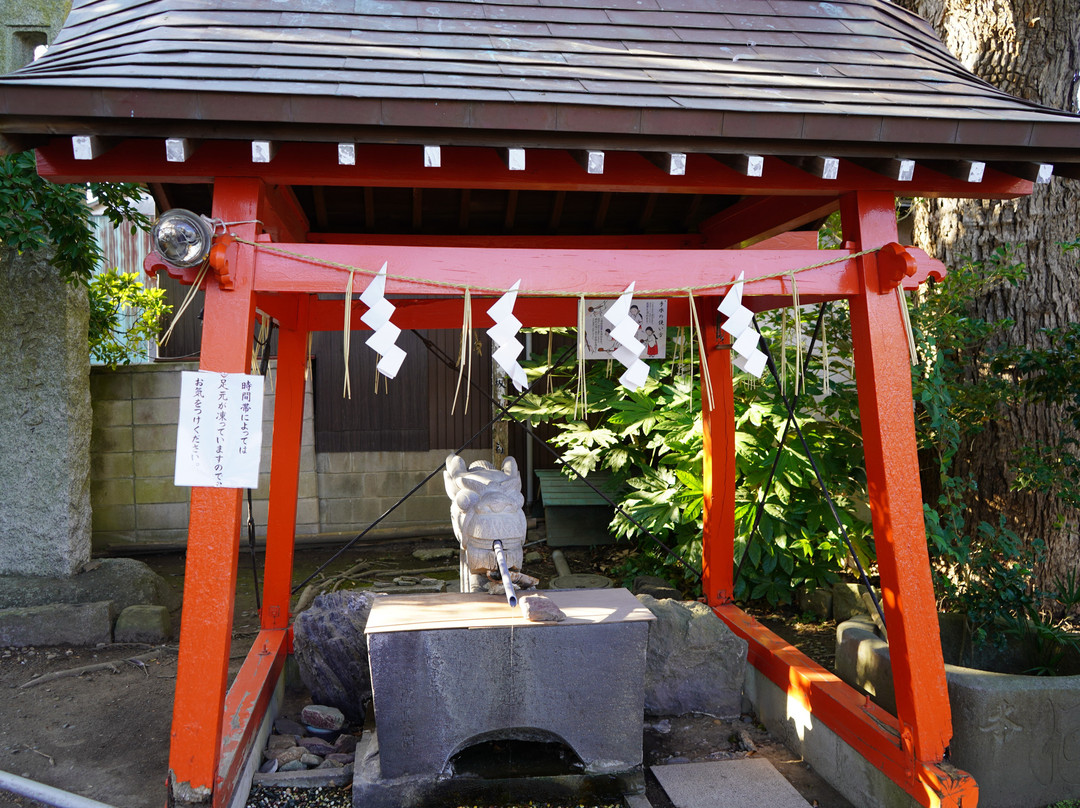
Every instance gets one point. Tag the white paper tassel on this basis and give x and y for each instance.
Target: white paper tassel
(384, 337)
(740, 325)
(504, 335)
(624, 331)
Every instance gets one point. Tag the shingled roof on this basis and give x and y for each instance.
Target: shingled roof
(864, 76)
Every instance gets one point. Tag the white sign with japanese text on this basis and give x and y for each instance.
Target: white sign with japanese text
(650, 316)
(219, 436)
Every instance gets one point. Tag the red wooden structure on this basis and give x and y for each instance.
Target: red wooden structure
(609, 145)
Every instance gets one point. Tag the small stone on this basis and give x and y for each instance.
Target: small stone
(406, 580)
(293, 766)
(269, 767)
(346, 743)
(330, 764)
(317, 746)
(322, 717)
(434, 553)
(310, 760)
(540, 609)
(285, 756)
(143, 623)
(286, 726)
(281, 742)
(533, 557)
(341, 758)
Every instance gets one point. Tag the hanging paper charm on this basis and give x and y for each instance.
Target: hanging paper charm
(624, 330)
(740, 324)
(384, 337)
(504, 335)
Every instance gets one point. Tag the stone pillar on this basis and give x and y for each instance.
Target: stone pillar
(45, 420)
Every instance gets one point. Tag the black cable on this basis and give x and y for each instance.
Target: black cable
(424, 482)
(760, 509)
(820, 480)
(448, 361)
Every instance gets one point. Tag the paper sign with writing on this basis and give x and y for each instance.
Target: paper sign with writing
(650, 315)
(219, 436)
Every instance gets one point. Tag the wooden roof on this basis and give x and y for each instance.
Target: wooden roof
(863, 76)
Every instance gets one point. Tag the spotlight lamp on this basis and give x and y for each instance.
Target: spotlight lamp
(182, 238)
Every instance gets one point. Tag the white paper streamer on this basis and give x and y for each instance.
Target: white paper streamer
(624, 331)
(384, 337)
(504, 335)
(740, 324)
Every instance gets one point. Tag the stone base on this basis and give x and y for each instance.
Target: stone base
(372, 790)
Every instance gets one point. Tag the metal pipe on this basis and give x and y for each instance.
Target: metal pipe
(559, 560)
(504, 571)
(46, 794)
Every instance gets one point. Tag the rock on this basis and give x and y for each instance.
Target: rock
(281, 742)
(540, 609)
(269, 767)
(533, 557)
(695, 663)
(330, 764)
(57, 624)
(286, 726)
(817, 601)
(659, 588)
(436, 553)
(847, 601)
(124, 581)
(310, 760)
(285, 756)
(143, 623)
(341, 757)
(331, 651)
(321, 716)
(346, 743)
(292, 766)
(317, 746)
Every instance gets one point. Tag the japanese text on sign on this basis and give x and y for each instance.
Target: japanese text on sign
(219, 435)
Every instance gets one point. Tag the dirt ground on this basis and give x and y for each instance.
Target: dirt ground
(104, 734)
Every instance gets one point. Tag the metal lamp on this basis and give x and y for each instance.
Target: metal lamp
(182, 238)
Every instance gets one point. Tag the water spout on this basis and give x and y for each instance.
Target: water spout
(504, 571)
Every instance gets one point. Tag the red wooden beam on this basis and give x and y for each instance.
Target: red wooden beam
(757, 218)
(247, 703)
(143, 160)
(861, 724)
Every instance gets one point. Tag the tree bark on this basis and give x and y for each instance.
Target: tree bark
(1028, 48)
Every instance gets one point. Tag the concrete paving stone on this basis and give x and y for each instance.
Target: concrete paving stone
(727, 784)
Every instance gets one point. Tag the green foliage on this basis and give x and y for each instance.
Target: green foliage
(35, 213)
(124, 316)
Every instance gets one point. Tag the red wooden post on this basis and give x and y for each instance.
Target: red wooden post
(718, 464)
(213, 533)
(285, 470)
(883, 371)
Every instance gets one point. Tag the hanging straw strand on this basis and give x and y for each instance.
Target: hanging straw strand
(346, 391)
(465, 352)
(797, 339)
(905, 315)
(581, 396)
(706, 379)
(186, 302)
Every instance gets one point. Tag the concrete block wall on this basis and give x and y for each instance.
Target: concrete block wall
(355, 488)
(133, 450)
(133, 453)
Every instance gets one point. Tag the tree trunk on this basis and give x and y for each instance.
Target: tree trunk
(1029, 48)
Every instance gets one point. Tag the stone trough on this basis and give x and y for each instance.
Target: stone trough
(1018, 736)
(453, 671)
